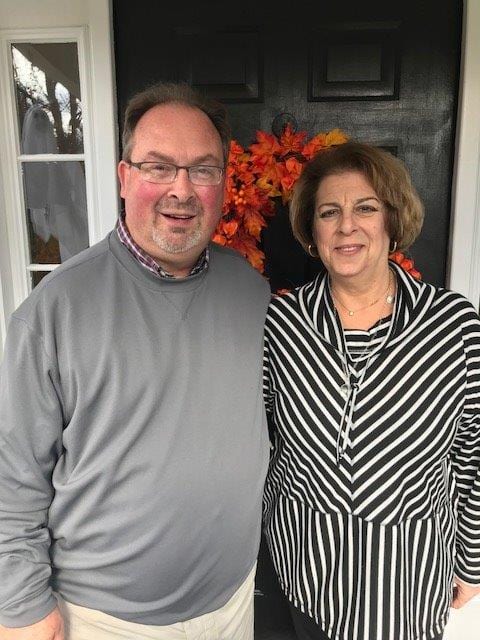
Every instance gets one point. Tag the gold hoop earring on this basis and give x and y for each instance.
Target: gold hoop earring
(312, 251)
(392, 247)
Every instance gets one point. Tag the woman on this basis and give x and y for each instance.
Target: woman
(372, 378)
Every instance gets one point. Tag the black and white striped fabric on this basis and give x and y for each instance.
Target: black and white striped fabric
(368, 526)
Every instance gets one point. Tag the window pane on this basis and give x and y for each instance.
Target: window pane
(47, 88)
(36, 276)
(56, 204)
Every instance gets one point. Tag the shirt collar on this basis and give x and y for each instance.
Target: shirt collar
(146, 259)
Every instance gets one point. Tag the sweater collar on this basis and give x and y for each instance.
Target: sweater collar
(412, 302)
(146, 260)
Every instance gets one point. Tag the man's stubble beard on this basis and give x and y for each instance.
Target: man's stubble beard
(184, 239)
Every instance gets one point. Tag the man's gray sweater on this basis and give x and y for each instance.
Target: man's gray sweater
(133, 441)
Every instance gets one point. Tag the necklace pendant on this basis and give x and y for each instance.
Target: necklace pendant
(344, 390)
(350, 313)
(390, 299)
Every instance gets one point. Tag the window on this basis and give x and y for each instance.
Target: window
(51, 157)
(75, 67)
(48, 152)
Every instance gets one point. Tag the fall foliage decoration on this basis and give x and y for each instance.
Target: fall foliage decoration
(259, 175)
(255, 177)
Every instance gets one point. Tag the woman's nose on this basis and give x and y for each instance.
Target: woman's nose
(347, 221)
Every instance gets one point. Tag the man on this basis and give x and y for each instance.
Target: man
(133, 443)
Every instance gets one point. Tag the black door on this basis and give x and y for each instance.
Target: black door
(383, 72)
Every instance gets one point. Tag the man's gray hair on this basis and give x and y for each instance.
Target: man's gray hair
(173, 93)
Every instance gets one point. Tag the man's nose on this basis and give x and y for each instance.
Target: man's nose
(181, 188)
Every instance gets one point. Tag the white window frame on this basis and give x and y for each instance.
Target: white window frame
(464, 263)
(15, 211)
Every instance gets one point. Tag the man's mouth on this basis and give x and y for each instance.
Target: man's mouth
(178, 216)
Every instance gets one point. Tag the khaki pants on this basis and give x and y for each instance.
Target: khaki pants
(233, 621)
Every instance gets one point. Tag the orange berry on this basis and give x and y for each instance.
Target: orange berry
(397, 257)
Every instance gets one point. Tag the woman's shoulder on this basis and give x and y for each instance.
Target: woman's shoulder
(452, 299)
(437, 299)
(288, 302)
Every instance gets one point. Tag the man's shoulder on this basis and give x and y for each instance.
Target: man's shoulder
(231, 262)
(81, 271)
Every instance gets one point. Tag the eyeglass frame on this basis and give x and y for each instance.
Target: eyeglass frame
(138, 165)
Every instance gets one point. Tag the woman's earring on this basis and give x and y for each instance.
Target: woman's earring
(312, 251)
(392, 247)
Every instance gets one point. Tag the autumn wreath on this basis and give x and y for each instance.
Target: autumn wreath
(259, 175)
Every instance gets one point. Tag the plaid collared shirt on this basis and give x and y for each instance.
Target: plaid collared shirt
(146, 260)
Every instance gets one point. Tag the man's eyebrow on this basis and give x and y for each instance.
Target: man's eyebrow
(161, 157)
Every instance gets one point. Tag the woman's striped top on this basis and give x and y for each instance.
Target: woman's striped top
(367, 526)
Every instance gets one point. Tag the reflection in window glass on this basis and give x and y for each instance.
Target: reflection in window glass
(47, 87)
(37, 276)
(55, 198)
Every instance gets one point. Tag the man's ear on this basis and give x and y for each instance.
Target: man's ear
(122, 170)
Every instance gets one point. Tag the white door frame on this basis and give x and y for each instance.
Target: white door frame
(464, 262)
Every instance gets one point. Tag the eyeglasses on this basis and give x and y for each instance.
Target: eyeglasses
(166, 173)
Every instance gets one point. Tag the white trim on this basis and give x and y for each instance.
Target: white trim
(13, 191)
(104, 114)
(5, 271)
(3, 318)
(41, 267)
(52, 157)
(84, 65)
(464, 263)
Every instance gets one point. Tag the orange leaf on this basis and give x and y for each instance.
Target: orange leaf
(270, 190)
(335, 136)
(230, 228)
(254, 223)
(292, 142)
(267, 144)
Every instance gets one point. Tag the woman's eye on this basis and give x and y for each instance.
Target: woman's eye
(327, 213)
(366, 209)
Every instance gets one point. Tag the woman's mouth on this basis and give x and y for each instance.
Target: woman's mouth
(349, 249)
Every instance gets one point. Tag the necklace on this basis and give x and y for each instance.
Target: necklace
(353, 382)
(354, 377)
(387, 295)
